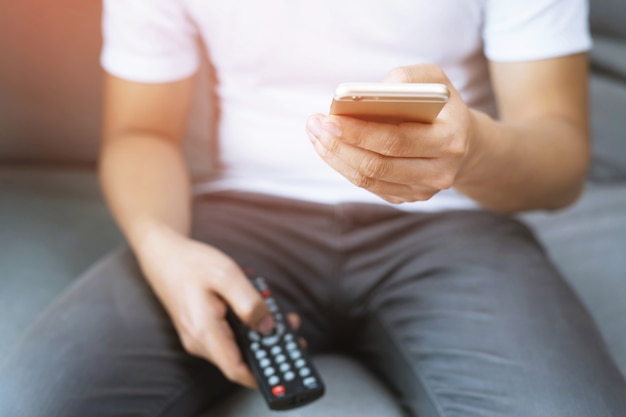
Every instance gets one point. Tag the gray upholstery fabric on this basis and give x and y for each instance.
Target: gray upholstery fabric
(351, 391)
(608, 17)
(588, 241)
(608, 57)
(608, 89)
(608, 104)
(53, 226)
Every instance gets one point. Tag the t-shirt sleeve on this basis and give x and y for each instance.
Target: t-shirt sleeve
(517, 30)
(149, 41)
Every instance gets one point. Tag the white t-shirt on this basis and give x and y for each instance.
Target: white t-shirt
(278, 61)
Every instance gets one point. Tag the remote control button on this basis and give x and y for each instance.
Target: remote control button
(280, 358)
(289, 337)
(291, 346)
(284, 367)
(254, 336)
(289, 376)
(255, 346)
(310, 382)
(273, 380)
(295, 354)
(276, 350)
(260, 354)
(272, 339)
(271, 305)
(264, 363)
(303, 372)
(300, 363)
(266, 293)
(278, 317)
(270, 371)
(278, 390)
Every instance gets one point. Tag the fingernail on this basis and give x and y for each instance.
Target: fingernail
(331, 128)
(266, 325)
(314, 125)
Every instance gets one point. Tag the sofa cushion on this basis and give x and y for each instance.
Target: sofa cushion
(608, 90)
(608, 100)
(608, 57)
(351, 391)
(587, 243)
(607, 17)
(53, 227)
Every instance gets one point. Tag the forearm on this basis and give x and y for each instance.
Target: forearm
(147, 188)
(533, 164)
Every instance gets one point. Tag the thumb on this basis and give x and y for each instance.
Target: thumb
(245, 300)
(422, 73)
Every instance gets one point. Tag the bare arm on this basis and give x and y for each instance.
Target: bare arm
(142, 169)
(534, 157)
(146, 184)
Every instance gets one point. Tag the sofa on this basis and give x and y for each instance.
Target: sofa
(54, 224)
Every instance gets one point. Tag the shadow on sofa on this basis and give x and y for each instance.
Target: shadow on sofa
(54, 225)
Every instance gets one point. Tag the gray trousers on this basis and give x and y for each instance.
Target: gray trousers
(459, 313)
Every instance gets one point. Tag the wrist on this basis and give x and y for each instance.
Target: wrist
(479, 126)
(150, 241)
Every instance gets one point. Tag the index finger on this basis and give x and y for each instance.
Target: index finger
(225, 354)
(405, 140)
(235, 288)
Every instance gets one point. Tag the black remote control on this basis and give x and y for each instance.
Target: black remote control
(282, 368)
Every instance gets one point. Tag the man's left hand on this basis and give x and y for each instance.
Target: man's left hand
(403, 162)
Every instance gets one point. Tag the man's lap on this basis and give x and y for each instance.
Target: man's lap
(460, 313)
(473, 320)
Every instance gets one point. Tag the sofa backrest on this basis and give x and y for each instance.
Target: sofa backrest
(608, 18)
(608, 89)
(608, 23)
(50, 85)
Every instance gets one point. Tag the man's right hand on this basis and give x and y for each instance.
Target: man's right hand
(147, 186)
(196, 283)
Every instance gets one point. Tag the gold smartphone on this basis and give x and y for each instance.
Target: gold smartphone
(390, 102)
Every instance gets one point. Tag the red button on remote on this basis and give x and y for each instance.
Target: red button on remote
(278, 390)
(266, 293)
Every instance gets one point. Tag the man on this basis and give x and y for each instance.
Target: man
(386, 239)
